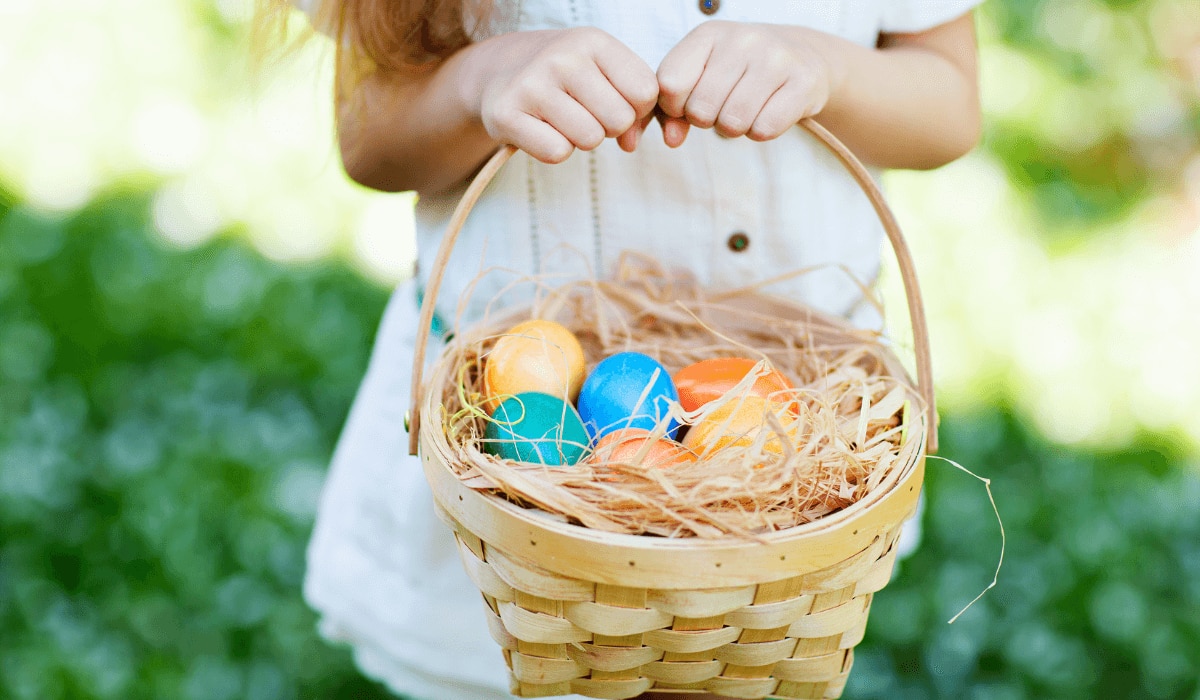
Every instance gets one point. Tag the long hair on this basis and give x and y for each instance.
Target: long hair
(378, 36)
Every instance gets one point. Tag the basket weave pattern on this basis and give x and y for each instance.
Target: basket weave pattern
(791, 638)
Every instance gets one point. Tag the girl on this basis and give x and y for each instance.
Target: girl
(727, 186)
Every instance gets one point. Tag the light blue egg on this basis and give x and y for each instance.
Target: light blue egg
(536, 428)
(627, 390)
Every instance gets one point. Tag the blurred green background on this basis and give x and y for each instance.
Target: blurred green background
(189, 287)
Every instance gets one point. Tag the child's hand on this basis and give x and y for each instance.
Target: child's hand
(755, 80)
(550, 92)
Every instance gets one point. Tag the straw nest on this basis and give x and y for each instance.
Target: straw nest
(855, 426)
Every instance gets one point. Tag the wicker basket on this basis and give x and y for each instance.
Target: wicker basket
(612, 616)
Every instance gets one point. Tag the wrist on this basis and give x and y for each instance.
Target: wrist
(486, 65)
(472, 78)
(832, 54)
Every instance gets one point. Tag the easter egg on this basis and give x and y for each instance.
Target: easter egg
(627, 390)
(637, 446)
(537, 428)
(708, 380)
(738, 423)
(537, 355)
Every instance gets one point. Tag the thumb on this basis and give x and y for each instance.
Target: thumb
(675, 129)
(628, 141)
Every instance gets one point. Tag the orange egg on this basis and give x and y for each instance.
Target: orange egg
(626, 444)
(738, 423)
(541, 356)
(708, 380)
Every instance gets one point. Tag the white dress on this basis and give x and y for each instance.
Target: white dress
(383, 572)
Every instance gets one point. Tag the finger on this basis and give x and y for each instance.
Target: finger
(598, 96)
(538, 139)
(790, 103)
(745, 102)
(572, 120)
(628, 74)
(629, 140)
(680, 71)
(716, 83)
(675, 130)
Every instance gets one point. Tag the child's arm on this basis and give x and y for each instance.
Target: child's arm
(911, 103)
(547, 92)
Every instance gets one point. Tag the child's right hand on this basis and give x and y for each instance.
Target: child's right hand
(550, 92)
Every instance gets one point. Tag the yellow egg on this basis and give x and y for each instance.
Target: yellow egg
(738, 423)
(536, 355)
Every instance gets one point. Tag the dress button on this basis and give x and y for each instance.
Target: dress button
(710, 7)
(738, 242)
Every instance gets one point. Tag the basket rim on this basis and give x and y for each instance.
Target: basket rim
(640, 561)
(579, 552)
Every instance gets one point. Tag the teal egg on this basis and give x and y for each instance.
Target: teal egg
(537, 428)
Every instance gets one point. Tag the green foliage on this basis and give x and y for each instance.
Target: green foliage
(1103, 114)
(1099, 596)
(167, 417)
(1100, 182)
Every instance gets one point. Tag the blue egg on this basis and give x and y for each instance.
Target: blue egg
(537, 428)
(627, 390)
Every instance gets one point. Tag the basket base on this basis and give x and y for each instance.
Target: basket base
(746, 688)
(793, 641)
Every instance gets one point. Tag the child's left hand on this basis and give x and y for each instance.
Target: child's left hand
(755, 80)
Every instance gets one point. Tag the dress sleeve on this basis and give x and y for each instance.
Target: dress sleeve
(908, 16)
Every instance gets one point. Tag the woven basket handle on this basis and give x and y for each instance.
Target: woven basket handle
(851, 163)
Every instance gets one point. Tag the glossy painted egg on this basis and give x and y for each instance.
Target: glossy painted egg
(536, 428)
(537, 355)
(737, 424)
(637, 446)
(709, 380)
(627, 390)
